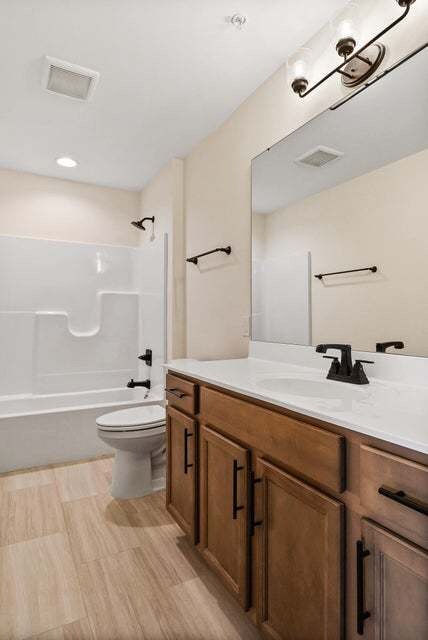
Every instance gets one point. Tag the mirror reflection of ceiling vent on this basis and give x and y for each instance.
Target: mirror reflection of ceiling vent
(69, 79)
(319, 157)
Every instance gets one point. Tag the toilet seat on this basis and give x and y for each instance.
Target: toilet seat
(135, 419)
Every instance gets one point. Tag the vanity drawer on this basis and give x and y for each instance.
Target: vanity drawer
(314, 452)
(182, 394)
(402, 503)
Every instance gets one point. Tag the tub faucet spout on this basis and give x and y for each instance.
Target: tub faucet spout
(139, 383)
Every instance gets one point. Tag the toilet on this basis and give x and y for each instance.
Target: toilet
(138, 436)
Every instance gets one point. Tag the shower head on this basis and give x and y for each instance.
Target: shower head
(139, 223)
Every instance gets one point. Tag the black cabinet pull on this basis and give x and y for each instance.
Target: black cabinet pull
(402, 498)
(362, 614)
(177, 393)
(252, 523)
(235, 507)
(187, 435)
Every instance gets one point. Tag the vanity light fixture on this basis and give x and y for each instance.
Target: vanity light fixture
(357, 66)
(66, 162)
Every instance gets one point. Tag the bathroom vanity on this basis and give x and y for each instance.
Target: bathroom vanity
(319, 530)
(309, 497)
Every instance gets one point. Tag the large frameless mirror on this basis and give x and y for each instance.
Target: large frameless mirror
(340, 223)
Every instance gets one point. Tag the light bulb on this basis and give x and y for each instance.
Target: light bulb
(299, 69)
(345, 28)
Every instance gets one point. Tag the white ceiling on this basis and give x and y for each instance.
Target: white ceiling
(171, 72)
(382, 124)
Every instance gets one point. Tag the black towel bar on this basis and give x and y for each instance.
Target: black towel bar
(194, 259)
(320, 276)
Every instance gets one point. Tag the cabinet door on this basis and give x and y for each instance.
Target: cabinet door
(395, 587)
(300, 559)
(224, 468)
(181, 496)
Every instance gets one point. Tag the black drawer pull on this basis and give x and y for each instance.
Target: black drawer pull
(187, 465)
(402, 498)
(235, 507)
(252, 523)
(362, 614)
(177, 393)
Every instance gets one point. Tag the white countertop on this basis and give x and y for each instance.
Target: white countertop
(392, 411)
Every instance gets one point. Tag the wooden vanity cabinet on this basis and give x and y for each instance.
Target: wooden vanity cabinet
(299, 559)
(394, 491)
(182, 394)
(224, 540)
(284, 508)
(287, 535)
(393, 585)
(181, 486)
(310, 452)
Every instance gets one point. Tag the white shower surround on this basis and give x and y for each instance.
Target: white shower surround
(277, 317)
(73, 318)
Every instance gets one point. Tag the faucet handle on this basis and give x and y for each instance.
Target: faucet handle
(335, 365)
(147, 357)
(358, 374)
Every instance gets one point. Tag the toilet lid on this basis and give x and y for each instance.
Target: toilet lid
(145, 417)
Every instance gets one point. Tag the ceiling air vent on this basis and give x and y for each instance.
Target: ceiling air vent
(319, 157)
(69, 79)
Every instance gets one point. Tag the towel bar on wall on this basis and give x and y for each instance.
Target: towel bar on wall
(320, 276)
(194, 259)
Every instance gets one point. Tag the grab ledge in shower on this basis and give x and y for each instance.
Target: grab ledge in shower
(89, 333)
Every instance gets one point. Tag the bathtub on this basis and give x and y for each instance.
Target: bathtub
(37, 430)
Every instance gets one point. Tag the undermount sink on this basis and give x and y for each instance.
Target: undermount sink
(325, 390)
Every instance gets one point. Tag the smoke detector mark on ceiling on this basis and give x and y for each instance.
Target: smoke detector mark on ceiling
(238, 21)
(319, 157)
(67, 79)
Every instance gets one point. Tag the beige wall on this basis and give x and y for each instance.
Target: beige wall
(163, 198)
(218, 185)
(378, 218)
(43, 207)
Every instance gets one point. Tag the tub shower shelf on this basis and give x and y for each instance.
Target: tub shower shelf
(320, 276)
(194, 259)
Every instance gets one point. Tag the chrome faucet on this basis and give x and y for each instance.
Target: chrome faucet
(344, 371)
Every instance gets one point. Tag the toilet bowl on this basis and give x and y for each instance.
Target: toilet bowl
(138, 436)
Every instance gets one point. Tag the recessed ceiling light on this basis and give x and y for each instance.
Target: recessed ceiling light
(69, 163)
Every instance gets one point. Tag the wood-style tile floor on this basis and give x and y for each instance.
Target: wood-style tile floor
(76, 564)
